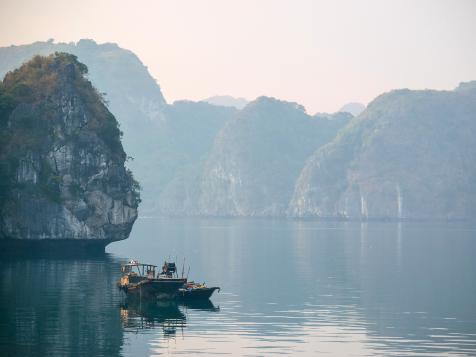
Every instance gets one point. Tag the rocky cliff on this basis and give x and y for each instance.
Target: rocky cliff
(62, 162)
(409, 155)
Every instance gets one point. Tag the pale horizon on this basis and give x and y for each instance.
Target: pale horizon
(319, 54)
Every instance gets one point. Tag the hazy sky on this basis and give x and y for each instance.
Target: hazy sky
(321, 54)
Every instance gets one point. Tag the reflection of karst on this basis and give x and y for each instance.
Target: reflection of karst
(364, 212)
(56, 296)
(399, 202)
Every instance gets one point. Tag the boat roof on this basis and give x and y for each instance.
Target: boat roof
(134, 263)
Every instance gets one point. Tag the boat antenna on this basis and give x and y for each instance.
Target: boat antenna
(183, 266)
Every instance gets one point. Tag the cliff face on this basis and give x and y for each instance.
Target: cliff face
(62, 172)
(409, 155)
(257, 157)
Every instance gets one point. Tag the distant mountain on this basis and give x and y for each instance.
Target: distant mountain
(181, 146)
(468, 87)
(227, 101)
(353, 108)
(61, 159)
(409, 155)
(257, 157)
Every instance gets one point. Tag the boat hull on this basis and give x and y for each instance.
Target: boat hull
(162, 289)
(196, 294)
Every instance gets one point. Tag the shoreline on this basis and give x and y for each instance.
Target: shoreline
(64, 247)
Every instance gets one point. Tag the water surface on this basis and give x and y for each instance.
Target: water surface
(288, 287)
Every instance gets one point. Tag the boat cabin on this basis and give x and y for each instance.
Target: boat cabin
(136, 271)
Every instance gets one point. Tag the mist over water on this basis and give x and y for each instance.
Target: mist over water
(296, 287)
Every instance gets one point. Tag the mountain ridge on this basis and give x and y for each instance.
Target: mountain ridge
(246, 173)
(407, 156)
(227, 101)
(178, 146)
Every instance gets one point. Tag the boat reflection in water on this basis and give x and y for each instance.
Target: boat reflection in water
(200, 305)
(139, 315)
(170, 316)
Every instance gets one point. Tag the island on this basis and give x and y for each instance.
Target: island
(63, 180)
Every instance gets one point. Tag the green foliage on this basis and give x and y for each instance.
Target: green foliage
(7, 104)
(136, 187)
(5, 180)
(7, 165)
(109, 132)
(75, 189)
(68, 58)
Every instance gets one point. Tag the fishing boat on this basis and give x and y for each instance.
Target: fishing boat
(190, 291)
(140, 280)
(193, 291)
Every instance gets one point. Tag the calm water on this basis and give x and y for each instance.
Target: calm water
(288, 287)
